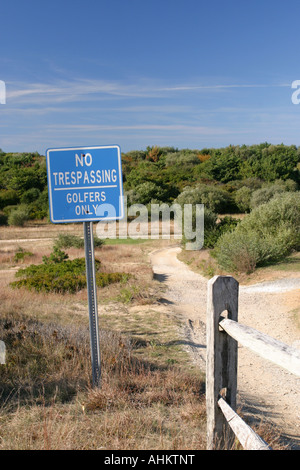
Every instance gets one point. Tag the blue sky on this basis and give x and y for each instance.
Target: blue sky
(188, 74)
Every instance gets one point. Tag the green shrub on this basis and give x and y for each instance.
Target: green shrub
(213, 197)
(61, 275)
(18, 216)
(243, 199)
(263, 195)
(144, 193)
(267, 235)
(104, 279)
(21, 255)
(243, 251)
(184, 158)
(8, 197)
(213, 229)
(283, 209)
(210, 221)
(68, 241)
(3, 219)
(213, 233)
(39, 207)
(57, 256)
(268, 191)
(30, 195)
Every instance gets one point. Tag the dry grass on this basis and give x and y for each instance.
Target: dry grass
(39, 229)
(47, 401)
(146, 401)
(150, 396)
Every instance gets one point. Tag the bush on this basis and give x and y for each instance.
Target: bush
(30, 195)
(183, 158)
(68, 241)
(283, 209)
(212, 228)
(243, 251)
(39, 207)
(18, 216)
(57, 256)
(144, 193)
(61, 275)
(21, 254)
(268, 234)
(213, 197)
(224, 165)
(243, 199)
(263, 195)
(3, 219)
(8, 197)
(211, 236)
(267, 192)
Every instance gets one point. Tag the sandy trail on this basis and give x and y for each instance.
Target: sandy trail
(265, 392)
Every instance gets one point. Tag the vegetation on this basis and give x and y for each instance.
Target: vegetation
(150, 396)
(23, 187)
(59, 274)
(230, 180)
(224, 179)
(65, 240)
(268, 234)
(236, 179)
(49, 402)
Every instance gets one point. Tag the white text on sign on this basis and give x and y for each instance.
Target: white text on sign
(89, 200)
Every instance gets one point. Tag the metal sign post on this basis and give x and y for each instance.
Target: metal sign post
(85, 185)
(92, 301)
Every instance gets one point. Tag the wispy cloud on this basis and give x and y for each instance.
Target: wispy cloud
(221, 87)
(75, 90)
(91, 89)
(144, 111)
(140, 127)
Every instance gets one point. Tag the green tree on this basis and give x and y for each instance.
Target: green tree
(224, 166)
(214, 198)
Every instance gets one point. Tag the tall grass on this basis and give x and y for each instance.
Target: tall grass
(47, 400)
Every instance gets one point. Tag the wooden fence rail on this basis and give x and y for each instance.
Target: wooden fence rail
(223, 334)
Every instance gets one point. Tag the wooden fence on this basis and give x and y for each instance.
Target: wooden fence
(223, 334)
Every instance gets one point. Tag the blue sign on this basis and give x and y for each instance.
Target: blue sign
(85, 184)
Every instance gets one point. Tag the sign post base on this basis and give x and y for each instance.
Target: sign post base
(92, 301)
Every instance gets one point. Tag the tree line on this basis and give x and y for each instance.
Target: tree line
(227, 180)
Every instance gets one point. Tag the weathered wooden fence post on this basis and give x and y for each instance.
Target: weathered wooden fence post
(221, 363)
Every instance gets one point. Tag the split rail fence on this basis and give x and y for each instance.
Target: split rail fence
(223, 335)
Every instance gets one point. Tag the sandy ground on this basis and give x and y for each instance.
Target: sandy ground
(266, 393)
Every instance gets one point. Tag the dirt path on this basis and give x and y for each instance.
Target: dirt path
(265, 392)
